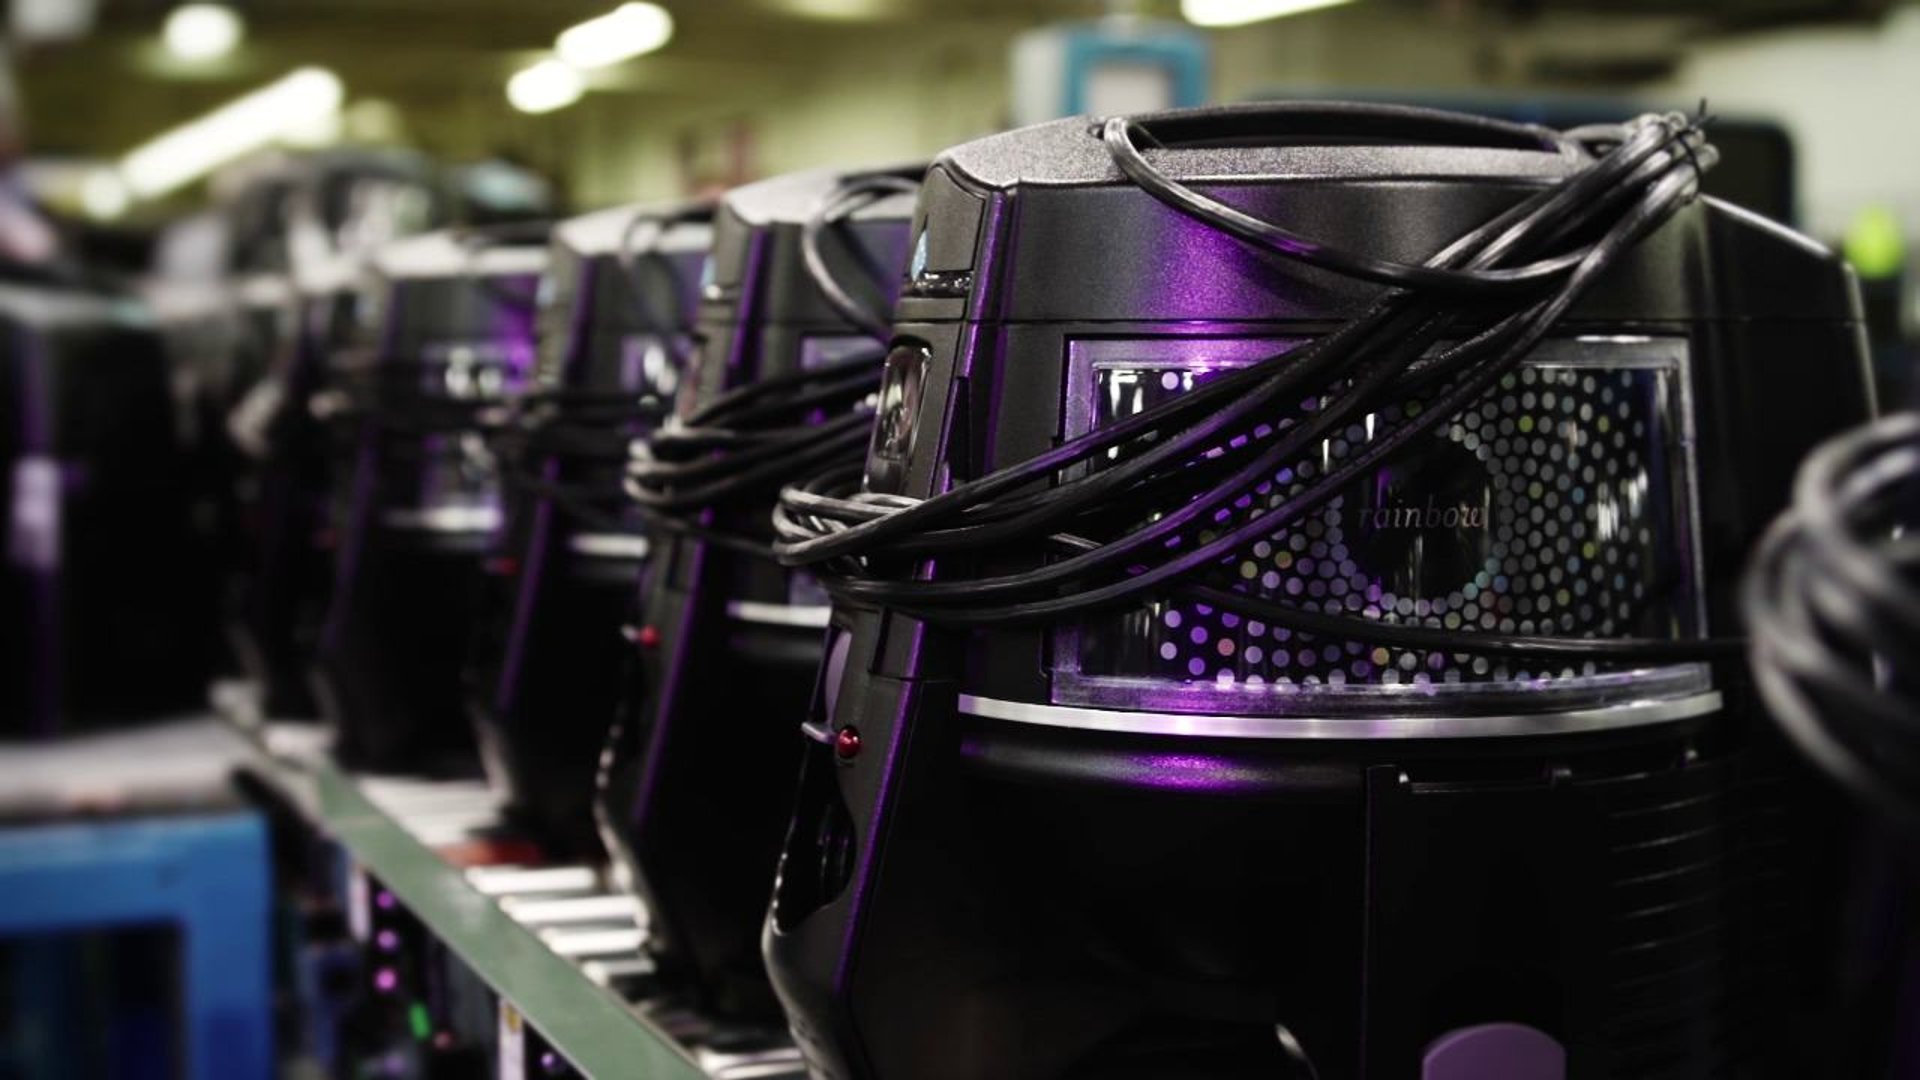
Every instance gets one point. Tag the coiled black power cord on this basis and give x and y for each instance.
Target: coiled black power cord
(1493, 294)
(591, 429)
(737, 451)
(1832, 604)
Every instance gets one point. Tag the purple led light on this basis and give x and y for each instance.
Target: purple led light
(386, 980)
(384, 900)
(387, 940)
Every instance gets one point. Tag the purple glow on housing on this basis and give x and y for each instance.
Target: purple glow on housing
(525, 599)
(1499, 1051)
(384, 900)
(386, 980)
(387, 940)
(1193, 772)
(752, 280)
(514, 327)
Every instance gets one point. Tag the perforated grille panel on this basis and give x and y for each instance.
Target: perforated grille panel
(1559, 504)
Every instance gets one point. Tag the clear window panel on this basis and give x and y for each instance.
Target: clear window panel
(1560, 504)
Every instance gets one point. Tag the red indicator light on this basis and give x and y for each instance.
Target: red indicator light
(846, 743)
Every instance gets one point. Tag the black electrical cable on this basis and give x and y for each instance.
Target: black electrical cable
(1494, 293)
(631, 255)
(1201, 402)
(736, 452)
(474, 242)
(592, 435)
(1832, 604)
(1120, 135)
(389, 396)
(593, 429)
(844, 201)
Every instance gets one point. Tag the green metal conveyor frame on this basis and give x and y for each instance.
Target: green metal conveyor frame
(598, 1032)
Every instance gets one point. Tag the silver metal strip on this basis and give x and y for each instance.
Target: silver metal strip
(540, 910)
(779, 1063)
(329, 274)
(581, 944)
(525, 881)
(603, 972)
(755, 611)
(609, 545)
(442, 255)
(444, 519)
(265, 290)
(1626, 714)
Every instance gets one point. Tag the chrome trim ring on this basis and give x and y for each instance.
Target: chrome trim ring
(1626, 714)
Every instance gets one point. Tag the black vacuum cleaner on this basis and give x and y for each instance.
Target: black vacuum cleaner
(105, 596)
(334, 210)
(451, 322)
(549, 659)
(1833, 610)
(1280, 628)
(803, 271)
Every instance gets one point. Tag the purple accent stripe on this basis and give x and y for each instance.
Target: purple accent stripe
(673, 664)
(527, 597)
(45, 661)
(359, 510)
(995, 232)
(672, 668)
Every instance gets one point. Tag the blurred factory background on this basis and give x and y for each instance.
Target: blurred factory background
(127, 114)
(732, 89)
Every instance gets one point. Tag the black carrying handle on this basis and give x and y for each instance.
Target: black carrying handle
(534, 232)
(1283, 122)
(846, 198)
(628, 255)
(473, 241)
(663, 218)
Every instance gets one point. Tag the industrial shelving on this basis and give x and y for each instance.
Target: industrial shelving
(554, 943)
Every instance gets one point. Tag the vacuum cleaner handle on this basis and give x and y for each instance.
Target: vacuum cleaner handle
(1299, 122)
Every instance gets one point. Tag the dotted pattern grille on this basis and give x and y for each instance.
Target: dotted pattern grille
(1555, 505)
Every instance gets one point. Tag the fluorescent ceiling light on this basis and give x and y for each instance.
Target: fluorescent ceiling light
(103, 195)
(48, 22)
(199, 32)
(544, 87)
(627, 31)
(1237, 12)
(239, 127)
(844, 10)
